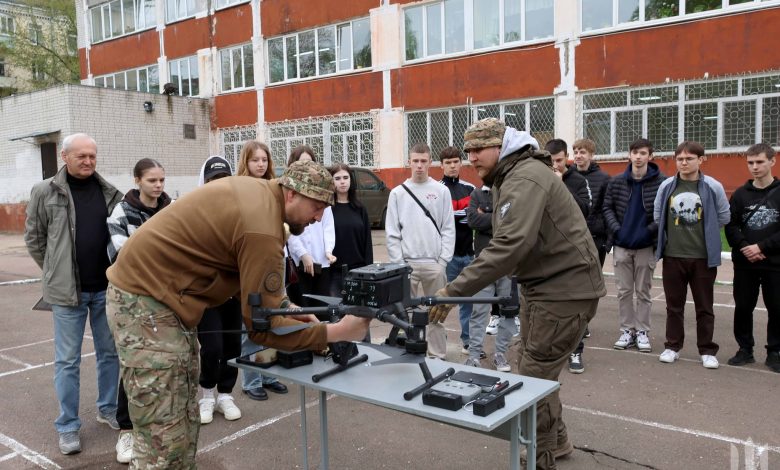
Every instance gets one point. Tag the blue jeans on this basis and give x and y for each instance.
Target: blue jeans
(454, 267)
(69, 324)
(250, 379)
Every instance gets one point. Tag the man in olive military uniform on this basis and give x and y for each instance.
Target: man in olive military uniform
(223, 239)
(540, 236)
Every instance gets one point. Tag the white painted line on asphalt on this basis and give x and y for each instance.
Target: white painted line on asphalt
(9, 456)
(37, 366)
(668, 427)
(29, 454)
(19, 282)
(14, 360)
(683, 359)
(27, 345)
(690, 302)
(256, 426)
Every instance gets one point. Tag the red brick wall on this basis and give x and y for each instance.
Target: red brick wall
(495, 76)
(286, 16)
(12, 217)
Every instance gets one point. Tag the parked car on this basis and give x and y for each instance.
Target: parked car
(371, 191)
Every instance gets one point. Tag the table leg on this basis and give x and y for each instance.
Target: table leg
(324, 431)
(304, 433)
(514, 443)
(529, 435)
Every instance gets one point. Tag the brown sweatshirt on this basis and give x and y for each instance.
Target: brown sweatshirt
(221, 240)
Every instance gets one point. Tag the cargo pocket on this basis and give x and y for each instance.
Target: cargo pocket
(549, 337)
(152, 381)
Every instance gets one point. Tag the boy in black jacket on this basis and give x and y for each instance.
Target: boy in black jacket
(754, 235)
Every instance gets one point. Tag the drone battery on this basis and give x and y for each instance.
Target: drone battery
(488, 403)
(291, 359)
(445, 400)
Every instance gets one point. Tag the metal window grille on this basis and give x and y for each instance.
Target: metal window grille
(344, 138)
(724, 114)
(445, 127)
(232, 139)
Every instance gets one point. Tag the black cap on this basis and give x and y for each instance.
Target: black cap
(216, 166)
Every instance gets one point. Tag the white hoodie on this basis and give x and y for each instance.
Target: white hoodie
(514, 140)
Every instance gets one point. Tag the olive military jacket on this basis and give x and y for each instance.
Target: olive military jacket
(539, 235)
(221, 240)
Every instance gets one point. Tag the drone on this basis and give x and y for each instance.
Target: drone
(380, 291)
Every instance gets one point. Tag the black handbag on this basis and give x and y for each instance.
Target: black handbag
(290, 272)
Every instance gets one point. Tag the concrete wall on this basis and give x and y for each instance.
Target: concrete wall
(124, 131)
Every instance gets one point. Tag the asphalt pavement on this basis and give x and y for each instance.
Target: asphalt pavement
(627, 411)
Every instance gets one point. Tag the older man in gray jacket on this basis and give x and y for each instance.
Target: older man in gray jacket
(540, 236)
(66, 234)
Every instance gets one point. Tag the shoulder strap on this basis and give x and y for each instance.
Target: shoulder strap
(427, 213)
(759, 204)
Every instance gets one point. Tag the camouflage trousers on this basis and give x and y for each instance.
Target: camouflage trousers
(159, 365)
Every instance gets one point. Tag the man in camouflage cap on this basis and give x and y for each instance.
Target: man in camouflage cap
(223, 239)
(540, 236)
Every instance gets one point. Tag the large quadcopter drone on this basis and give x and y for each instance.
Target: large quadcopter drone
(380, 291)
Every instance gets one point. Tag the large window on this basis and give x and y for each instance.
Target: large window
(144, 79)
(184, 75)
(2, 67)
(442, 128)
(237, 67)
(176, 10)
(6, 25)
(321, 51)
(600, 14)
(344, 138)
(119, 17)
(722, 115)
(35, 33)
(452, 26)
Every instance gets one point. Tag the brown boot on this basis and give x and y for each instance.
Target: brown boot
(563, 451)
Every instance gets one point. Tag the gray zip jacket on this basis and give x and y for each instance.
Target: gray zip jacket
(49, 234)
(716, 214)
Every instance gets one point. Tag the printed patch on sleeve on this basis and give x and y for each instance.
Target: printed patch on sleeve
(273, 282)
(504, 209)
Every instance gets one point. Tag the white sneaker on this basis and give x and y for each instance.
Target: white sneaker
(206, 406)
(492, 328)
(669, 356)
(626, 340)
(517, 326)
(227, 407)
(643, 342)
(709, 362)
(124, 447)
(500, 363)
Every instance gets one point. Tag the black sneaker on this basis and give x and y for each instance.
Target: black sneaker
(575, 363)
(773, 361)
(742, 357)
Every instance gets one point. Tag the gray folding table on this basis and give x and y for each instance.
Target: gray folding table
(385, 385)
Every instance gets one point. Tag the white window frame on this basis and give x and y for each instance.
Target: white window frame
(337, 49)
(198, 6)
(680, 104)
(7, 25)
(222, 4)
(725, 9)
(36, 33)
(246, 49)
(104, 80)
(468, 30)
(106, 26)
(178, 63)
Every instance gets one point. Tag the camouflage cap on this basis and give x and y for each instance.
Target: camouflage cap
(483, 134)
(309, 179)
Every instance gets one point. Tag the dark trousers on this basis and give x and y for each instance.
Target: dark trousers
(122, 412)
(678, 273)
(548, 333)
(319, 284)
(746, 285)
(217, 348)
(602, 256)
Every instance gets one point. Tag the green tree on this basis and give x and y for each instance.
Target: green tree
(43, 43)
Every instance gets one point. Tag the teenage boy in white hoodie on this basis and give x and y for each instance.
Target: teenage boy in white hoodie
(425, 243)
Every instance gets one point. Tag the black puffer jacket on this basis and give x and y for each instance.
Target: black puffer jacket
(618, 193)
(578, 187)
(597, 181)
